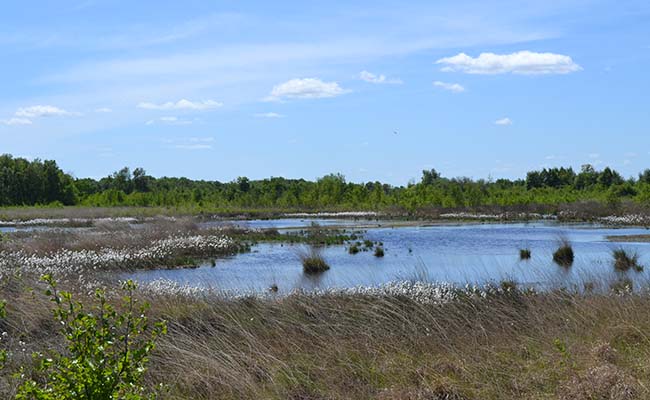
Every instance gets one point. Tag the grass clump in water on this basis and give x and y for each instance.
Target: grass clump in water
(313, 262)
(379, 251)
(354, 249)
(524, 254)
(624, 261)
(564, 256)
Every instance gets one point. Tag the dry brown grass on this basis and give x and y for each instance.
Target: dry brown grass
(514, 346)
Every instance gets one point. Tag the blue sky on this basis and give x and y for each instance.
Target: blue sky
(220, 89)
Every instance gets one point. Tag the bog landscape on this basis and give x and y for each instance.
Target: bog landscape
(487, 236)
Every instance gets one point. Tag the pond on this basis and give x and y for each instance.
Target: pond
(463, 253)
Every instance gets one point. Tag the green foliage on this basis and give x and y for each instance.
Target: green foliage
(24, 182)
(524, 254)
(107, 350)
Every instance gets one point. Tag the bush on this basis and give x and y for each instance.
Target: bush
(524, 254)
(106, 354)
(564, 256)
(379, 251)
(313, 262)
(624, 261)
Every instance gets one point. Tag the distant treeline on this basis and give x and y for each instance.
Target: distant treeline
(37, 182)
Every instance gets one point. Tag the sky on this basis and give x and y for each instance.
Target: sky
(375, 90)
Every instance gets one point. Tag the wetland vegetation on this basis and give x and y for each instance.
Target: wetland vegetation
(314, 325)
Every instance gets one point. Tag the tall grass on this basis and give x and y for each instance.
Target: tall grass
(509, 345)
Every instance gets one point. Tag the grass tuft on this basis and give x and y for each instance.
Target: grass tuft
(624, 261)
(354, 249)
(313, 262)
(379, 251)
(564, 256)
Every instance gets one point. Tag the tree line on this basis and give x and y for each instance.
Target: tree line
(37, 182)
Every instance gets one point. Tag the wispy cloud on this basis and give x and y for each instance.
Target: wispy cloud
(171, 120)
(26, 115)
(521, 62)
(374, 78)
(103, 110)
(503, 121)
(182, 104)
(268, 115)
(16, 121)
(42, 111)
(306, 88)
(452, 87)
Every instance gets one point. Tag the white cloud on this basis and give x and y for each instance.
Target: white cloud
(182, 104)
(268, 115)
(521, 62)
(42, 111)
(374, 78)
(594, 156)
(452, 87)
(170, 121)
(103, 110)
(503, 121)
(307, 88)
(16, 121)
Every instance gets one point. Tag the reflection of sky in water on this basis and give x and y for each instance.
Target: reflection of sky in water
(462, 253)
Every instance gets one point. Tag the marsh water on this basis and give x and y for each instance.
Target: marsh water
(461, 253)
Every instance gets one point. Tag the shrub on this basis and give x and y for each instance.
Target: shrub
(379, 251)
(524, 254)
(313, 262)
(564, 256)
(624, 261)
(107, 350)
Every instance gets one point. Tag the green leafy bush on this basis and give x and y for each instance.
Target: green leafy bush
(107, 350)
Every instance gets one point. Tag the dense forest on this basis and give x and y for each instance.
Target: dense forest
(24, 182)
